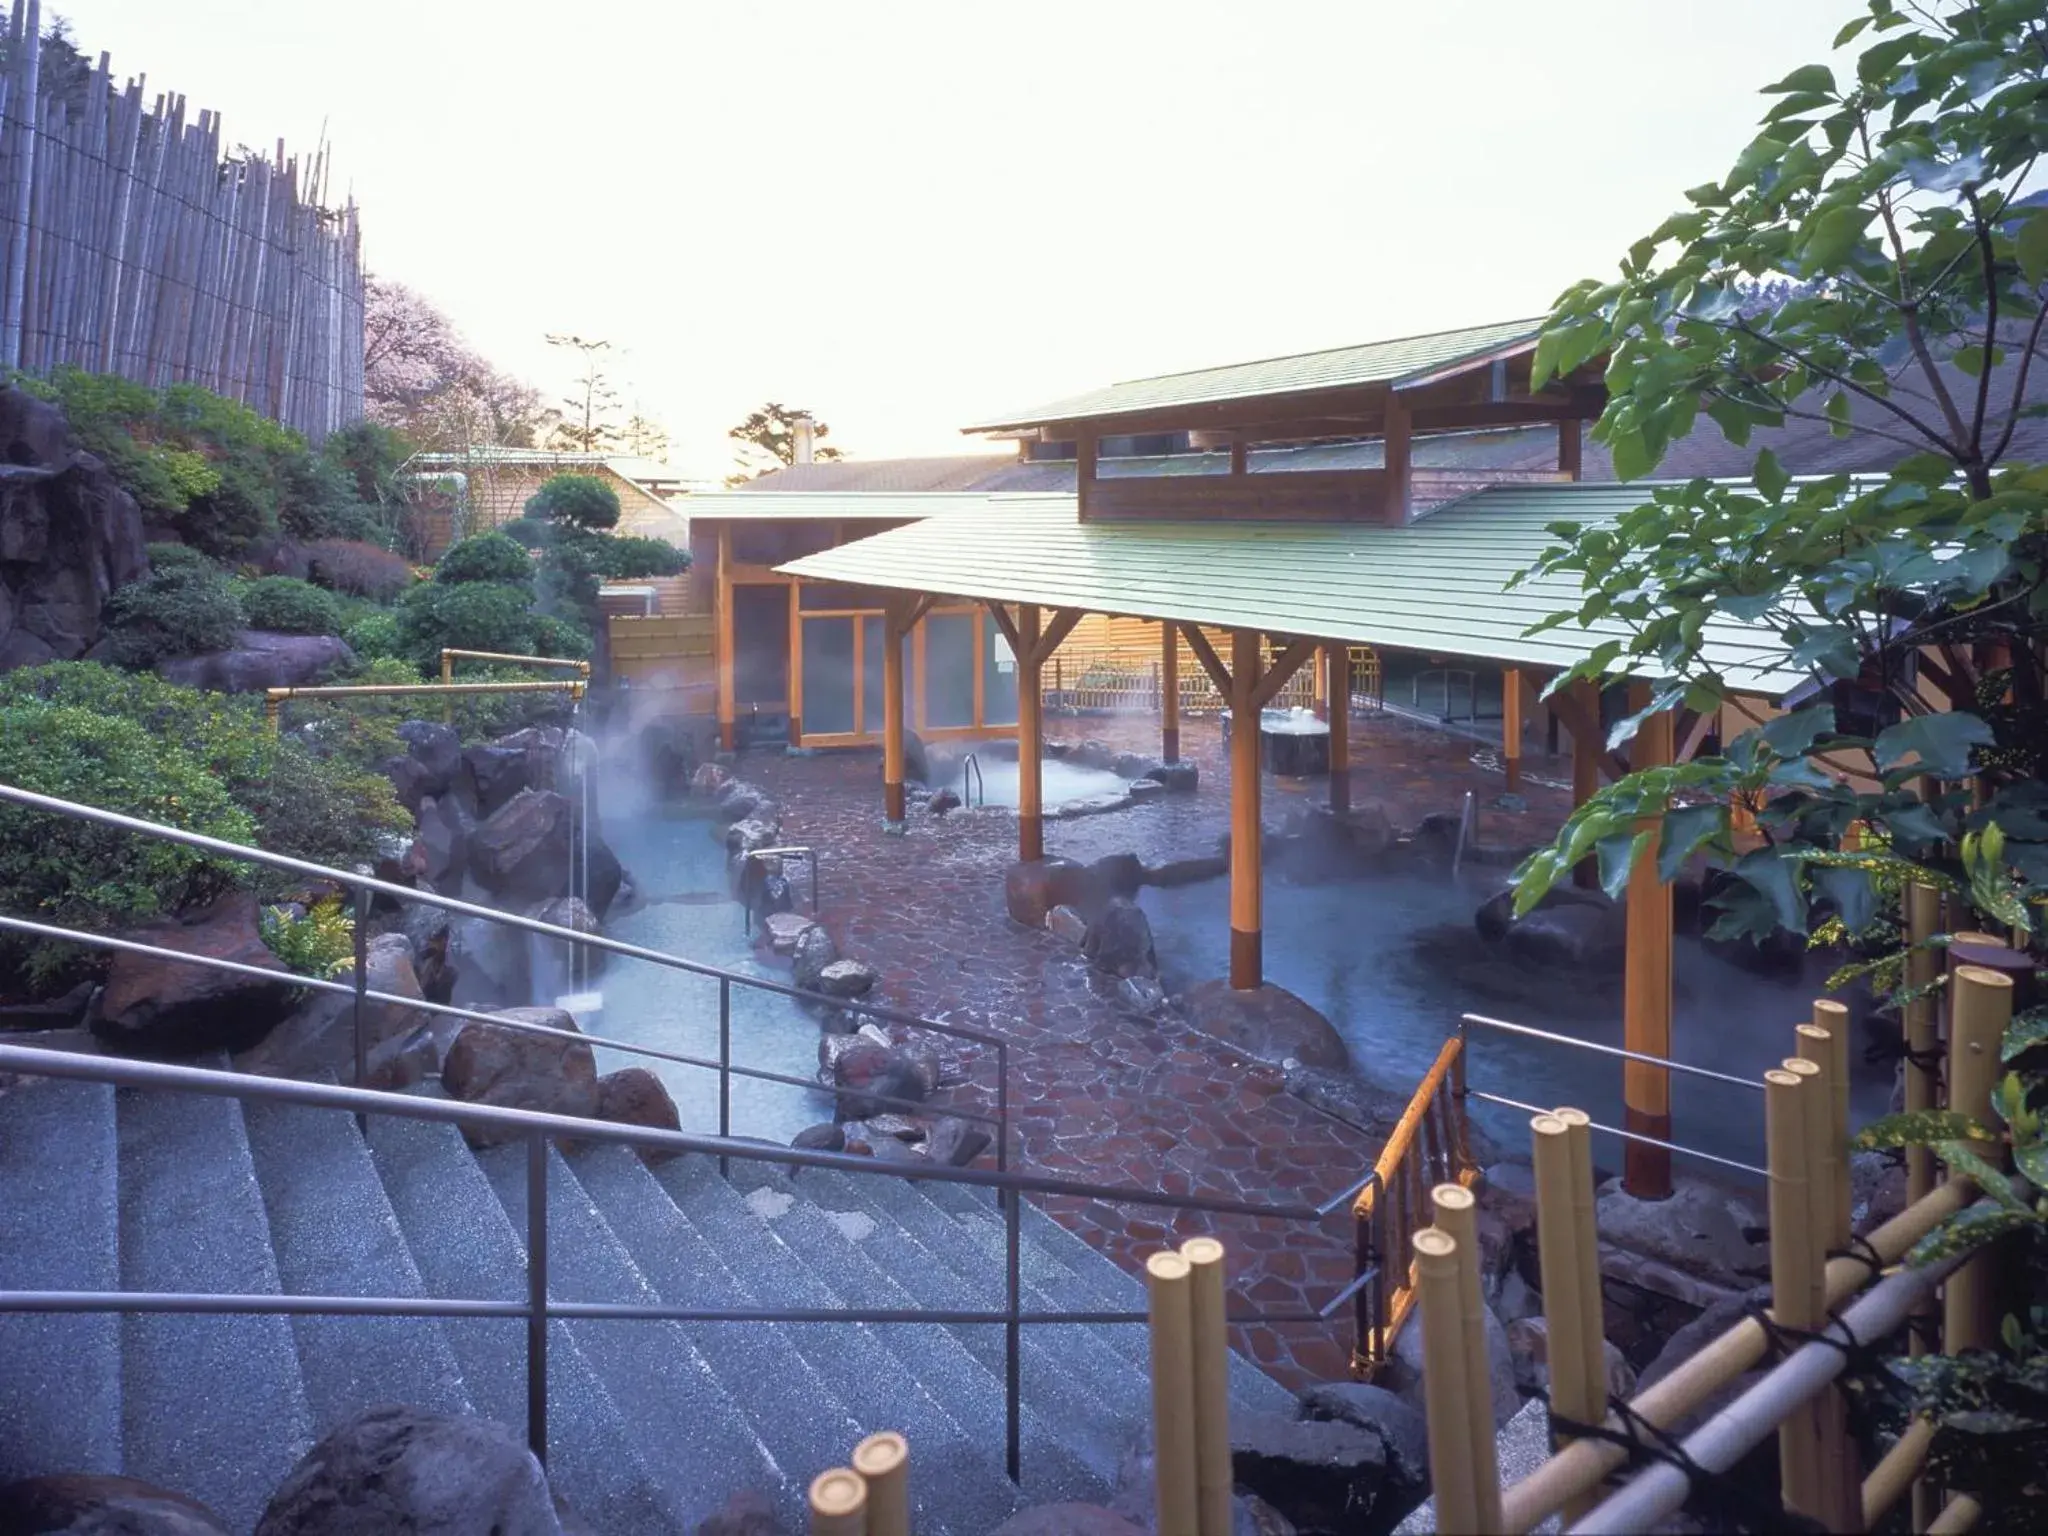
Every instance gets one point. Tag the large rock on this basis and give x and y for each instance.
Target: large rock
(1322, 1474)
(749, 1512)
(1496, 915)
(635, 1096)
(96, 1504)
(258, 660)
(492, 964)
(847, 979)
(496, 774)
(572, 913)
(672, 747)
(1575, 937)
(867, 1074)
(1179, 778)
(740, 800)
(1068, 1520)
(1401, 1428)
(1529, 1344)
(1703, 1230)
(1033, 887)
(523, 849)
(956, 1142)
(1119, 941)
(815, 949)
(319, 1036)
(438, 750)
(152, 1007)
(517, 1070)
(440, 846)
(1404, 1371)
(398, 1471)
(1270, 1024)
(69, 535)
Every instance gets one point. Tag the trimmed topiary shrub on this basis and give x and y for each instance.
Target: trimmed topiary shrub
(357, 568)
(182, 611)
(631, 556)
(376, 637)
(576, 501)
(177, 557)
(470, 615)
(484, 557)
(289, 606)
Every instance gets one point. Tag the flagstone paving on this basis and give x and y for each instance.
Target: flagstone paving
(1097, 1090)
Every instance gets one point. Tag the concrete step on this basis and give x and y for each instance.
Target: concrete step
(211, 1406)
(1096, 1281)
(60, 1377)
(464, 1246)
(789, 1405)
(335, 1234)
(692, 1436)
(907, 1377)
(1097, 1400)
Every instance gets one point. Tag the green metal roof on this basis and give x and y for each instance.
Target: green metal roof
(1396, 362)
(841, 506)
(1437, 585)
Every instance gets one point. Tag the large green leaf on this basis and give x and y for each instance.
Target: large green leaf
(1920, 1128)
(2026, 1031)
(1941, 742)
(1967, 1231)
(1851, 894)
(1966, 1160)
(1775, 876)
(1831, 237)
(2030, 246)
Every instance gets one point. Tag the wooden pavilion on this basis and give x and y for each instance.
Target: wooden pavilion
(1314, 562)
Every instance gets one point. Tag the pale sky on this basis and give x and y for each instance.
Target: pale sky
(908, 215)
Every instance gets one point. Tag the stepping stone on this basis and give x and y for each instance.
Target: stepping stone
(785, 929)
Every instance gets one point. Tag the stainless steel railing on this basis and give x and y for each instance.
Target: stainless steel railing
(536, 1128)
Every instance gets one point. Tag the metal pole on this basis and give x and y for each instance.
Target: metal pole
(724, 1065)
(361, 1025)
(537, 1296)
(1013, 1454)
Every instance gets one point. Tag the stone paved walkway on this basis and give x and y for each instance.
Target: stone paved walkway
(1098, 1091)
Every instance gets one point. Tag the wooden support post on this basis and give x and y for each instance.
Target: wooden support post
(883, 1461)
(1340, 728)
(1839, 1494)
(1030, 737)
(1791, 1261)
(447, 677)
(1575, 1393)
(1444, 1378)
(1980, 1008)
(1457, 1213)
(1511, 726)
(1169, 693)
(892, 716)
(1646, 984)
(1214, 1482)
(1587, 748)
(839, 1503)
(795, 691)
(1173, 1395)
(723, 640)
(1319, 684)
(1570, 441)
(1247, 959)
(1395, 427)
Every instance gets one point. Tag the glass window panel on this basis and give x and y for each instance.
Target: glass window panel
(998, 676)
(949, 669)
(828, 677)
(874, 646)
(760, 637)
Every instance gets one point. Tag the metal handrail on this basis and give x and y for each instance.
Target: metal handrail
(970, 768)
(538, 1310)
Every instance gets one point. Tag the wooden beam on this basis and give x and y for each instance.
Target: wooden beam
(1579, 707)
(1571, 436)
(1030, 737)
(1084, 473)
(1338, 674)
(1646, 983)
(1511, 726)
(919, 607)
(894, 627)
(1001, 615)
(1499, 413)
(1238, 463)
(1693, 731)
(1205, 653)
(1394, 429)
(1061, 626)
(1267, 684)
(1247, 939)
(1169, 694)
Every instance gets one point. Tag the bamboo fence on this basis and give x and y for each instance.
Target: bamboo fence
(133, 244)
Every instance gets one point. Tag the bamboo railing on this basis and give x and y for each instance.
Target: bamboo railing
(1429, 1145)
(134, 243)
(1814, 1278)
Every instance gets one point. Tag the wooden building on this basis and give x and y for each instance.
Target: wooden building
(477, 491)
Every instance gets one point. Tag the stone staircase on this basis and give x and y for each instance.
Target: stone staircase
(652, 1424)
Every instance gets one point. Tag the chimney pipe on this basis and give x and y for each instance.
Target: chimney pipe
(805, 432)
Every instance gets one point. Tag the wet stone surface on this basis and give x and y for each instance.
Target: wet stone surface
(1098, 1091)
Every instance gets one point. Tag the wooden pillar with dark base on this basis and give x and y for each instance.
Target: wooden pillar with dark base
(1169, 694)
(1337, 659)
(1646, 991)
(1511, 726)
(1030, 737)
(892, 714)
(796, 665)
(1247, 936)
(722, 643)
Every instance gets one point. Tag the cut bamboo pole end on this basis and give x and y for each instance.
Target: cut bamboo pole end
(1789, 1156)
(1444, 1382)
(1833, 1018)
(1571, 1394)
(883, 1462)
(1980, 1008)
(1457, 1213)
(839, 1503)
(1173, 1390)
(1586, 1247)
(1214, 1480)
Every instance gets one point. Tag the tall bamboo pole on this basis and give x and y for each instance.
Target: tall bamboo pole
(1788, 1155)
(1209, 1333)
(1175, 1484)
(1445, 1383)
(839, 1503)
(1923, 966)
(883, 1462)
(27, 111)
(1575, 1393)
(1980, 1008)
(1839, 1492)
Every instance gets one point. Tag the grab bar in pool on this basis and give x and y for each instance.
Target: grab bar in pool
(970, 770)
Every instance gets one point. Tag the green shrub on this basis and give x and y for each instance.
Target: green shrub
(234, 513)
(484, 716)
(528, 532)
(360, 569)
(471, 615)
(554, 636)
(177, 612)
(289, 606)
(318, 944)
(577, 501)
(484, 557)
(371, 457)
(82, 875)
(632, 557)
(177, 557)
(375, 638)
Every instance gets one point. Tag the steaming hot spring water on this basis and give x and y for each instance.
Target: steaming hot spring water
(997, 782)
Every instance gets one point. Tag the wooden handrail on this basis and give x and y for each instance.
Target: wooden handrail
(1402, 1137)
